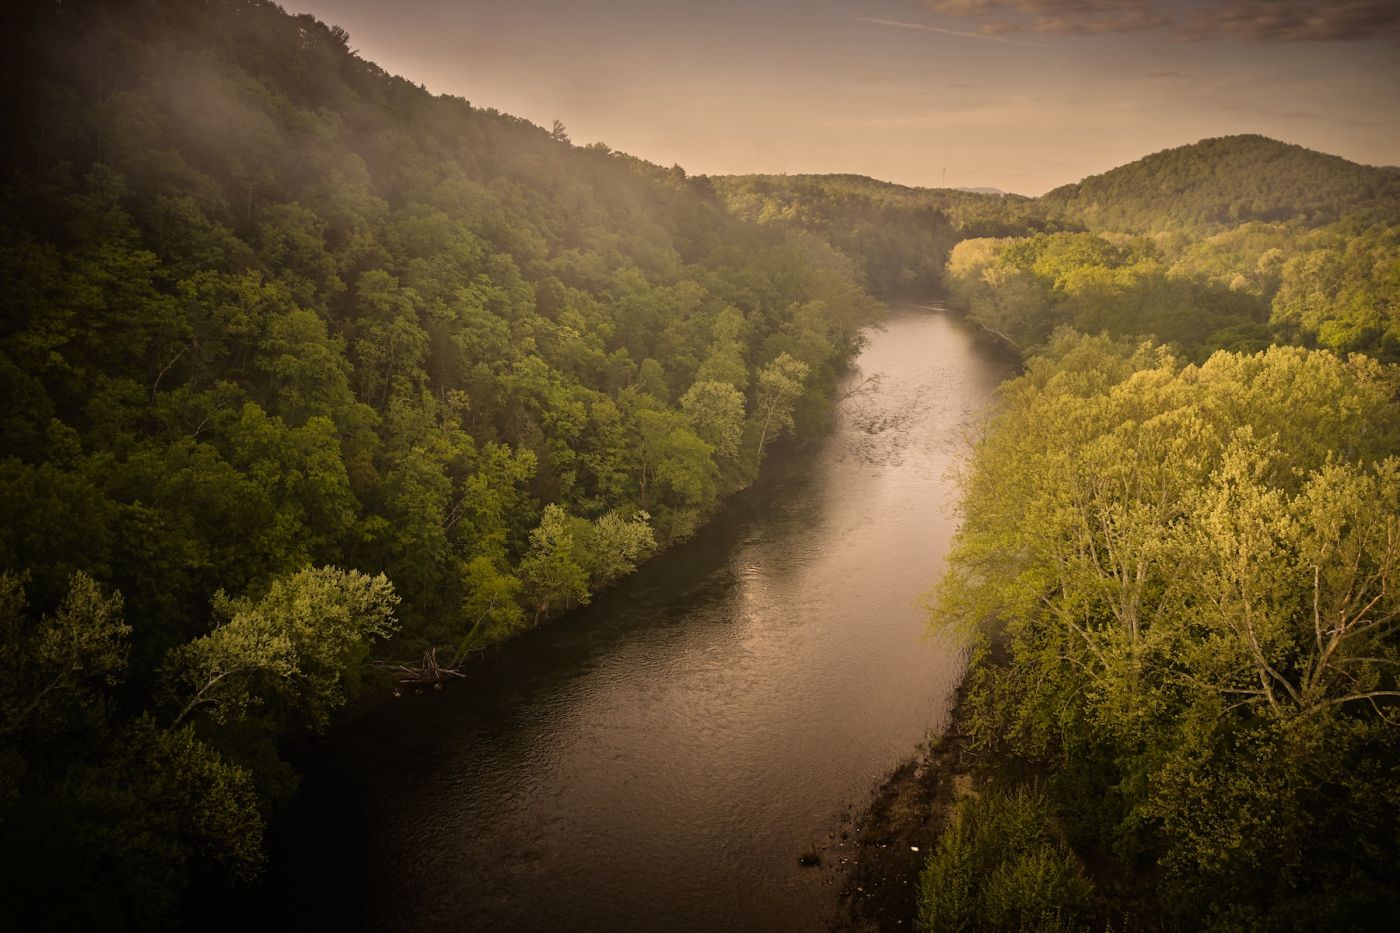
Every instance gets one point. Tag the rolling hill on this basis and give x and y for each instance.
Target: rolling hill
(1218, 183)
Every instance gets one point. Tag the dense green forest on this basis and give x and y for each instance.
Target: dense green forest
(1178, 557)
(1336, 287)
(1183, 578)
(298, 357)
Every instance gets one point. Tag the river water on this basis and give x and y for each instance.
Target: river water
(659, 759)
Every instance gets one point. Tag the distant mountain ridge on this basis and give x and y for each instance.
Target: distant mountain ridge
(898, 236)
(1226, 181)
(1206, 186)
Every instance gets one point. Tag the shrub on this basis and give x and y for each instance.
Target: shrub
(1001, 866)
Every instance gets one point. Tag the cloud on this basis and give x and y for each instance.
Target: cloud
(1296, 22)
(950, 32)
(1188, 20)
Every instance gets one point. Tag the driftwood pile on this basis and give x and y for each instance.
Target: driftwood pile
(428, 671)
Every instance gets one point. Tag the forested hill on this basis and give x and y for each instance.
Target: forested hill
(218, 220)
(297, 356)
(1224, 182)
(900, 237)
(1178, 556)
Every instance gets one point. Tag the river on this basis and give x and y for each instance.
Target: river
(659, 759)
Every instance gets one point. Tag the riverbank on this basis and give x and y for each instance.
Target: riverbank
(874, 857)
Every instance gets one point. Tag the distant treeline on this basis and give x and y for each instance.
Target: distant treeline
(898, 237)
(1220, 183)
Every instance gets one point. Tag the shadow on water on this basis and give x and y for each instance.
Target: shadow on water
(659, 758)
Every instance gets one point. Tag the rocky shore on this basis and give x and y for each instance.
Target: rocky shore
(874, 858)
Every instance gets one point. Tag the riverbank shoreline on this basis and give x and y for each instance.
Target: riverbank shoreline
(873, 859)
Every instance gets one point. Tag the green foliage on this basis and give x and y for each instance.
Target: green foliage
(1241, 290)
(610, 546)
(92, 793)
(1001, 866)
(1252, 242)
(780, 383)
(300, 643)
(716, 413)
(899, 237)
(551, 572)
(1225, 182)
(1021, 290)
(55, 667)
(1193, 569)
(271, 308)
(491, 602)
(1341, 290)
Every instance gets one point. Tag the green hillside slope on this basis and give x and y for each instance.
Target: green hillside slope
(1224, 182)
(269, 308)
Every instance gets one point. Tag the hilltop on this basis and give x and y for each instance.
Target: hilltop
(1227, 181)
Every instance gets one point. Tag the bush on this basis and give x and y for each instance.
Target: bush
(1001, 866)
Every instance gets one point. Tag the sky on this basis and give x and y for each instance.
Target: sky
(1021, 95)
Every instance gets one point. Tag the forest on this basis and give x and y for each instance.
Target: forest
(299, 359)
(1177, 559)
(314, 379)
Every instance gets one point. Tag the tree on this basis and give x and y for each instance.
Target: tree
(551, 574)
(716, 413)
(779, 385)
(50, 667)
(610, 546)
(490, 605)
(301, 643)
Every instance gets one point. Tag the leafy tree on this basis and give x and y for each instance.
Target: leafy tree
(779, 385)
(716, 413)
(57, 665)
(550, 572)
(610, 546)
(490, 603)
(302, 643)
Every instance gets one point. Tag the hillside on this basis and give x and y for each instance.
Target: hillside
(899, 236)
(1230, 243)
(304, 366)
(1224, 182)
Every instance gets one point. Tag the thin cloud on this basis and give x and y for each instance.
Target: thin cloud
(951, 32)
(1346, 20)
(1254, 20)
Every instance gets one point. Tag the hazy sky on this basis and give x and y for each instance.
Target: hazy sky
(1022, 95)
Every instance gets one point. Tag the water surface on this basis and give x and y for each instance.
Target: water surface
(659, 759)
